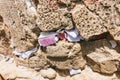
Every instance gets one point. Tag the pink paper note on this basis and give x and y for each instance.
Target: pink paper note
(46, 41)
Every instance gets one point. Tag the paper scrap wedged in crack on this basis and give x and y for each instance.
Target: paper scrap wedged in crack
(62, 35)
(113, 43)
(71, 39)
(30, 7)
(49, 38)
(75, 71)
(26, 54)
(73, 32)
(46, 41)
(73, 35)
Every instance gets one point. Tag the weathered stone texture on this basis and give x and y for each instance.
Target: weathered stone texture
(109, 12)
(87, 22)
(5, 37)
(59, 19)
(65, 53)
(13, 17)
(102, 58)
(20, 30)
(51, 17)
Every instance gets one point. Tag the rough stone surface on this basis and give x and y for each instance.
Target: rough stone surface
(49, 73)
(95, 20)
(88, 74)
(34, 62)
(109, 12)
(103, 59)
(60, 19)
(87, 22)
(65, 53)
(61, 49)
(37, 62)
(5, 39)
(13, 16)
(14, 73)
(1, 78)
(51, 17)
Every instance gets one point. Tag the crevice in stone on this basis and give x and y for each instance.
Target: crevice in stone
(1, 18)
(36, 2)
(95, 13)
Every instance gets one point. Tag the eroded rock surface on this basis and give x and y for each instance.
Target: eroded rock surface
(51, 17)
(49, 73)
(13, 17)
(19, 29)
(103, 58)
(5, 37)
(65, 53)
(109, 12)
(87, 22)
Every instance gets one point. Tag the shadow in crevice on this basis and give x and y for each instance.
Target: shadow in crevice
(97, 42)
(118, 74)
(36, 2)
(1, 18)
(57, 58)
(98, 37)
(63, 73)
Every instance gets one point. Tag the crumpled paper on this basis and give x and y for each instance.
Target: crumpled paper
(26, 54)
(49, 38)
(75, 71)
(30, 7)
(113, 43)
(73, 35)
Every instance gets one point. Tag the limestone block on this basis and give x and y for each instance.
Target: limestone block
(103, 59)
(87, 22)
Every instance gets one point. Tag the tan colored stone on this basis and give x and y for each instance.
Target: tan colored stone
(1, 57)
(61, 49)
(15, 16)
(54, 20)
(108, 12)
(5, 37)
(88, 74)
(37, 62)
(62, 78)
(65, 53)
(103, 59)
(33, 62)
(13, 72)
(1, 78)
(49, 73)
(52, 17)
(87, 22)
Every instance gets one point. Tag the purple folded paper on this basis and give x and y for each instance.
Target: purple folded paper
(46, 41)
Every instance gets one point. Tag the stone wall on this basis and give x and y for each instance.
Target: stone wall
(97, 22)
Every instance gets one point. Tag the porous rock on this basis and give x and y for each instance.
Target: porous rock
(54, 20)
(15, 20)
(102, 58)
(87, 22)
(33, 62)
(49, 73)
(109, 12)
(5, 37)
(51, 17)
(65, 53)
